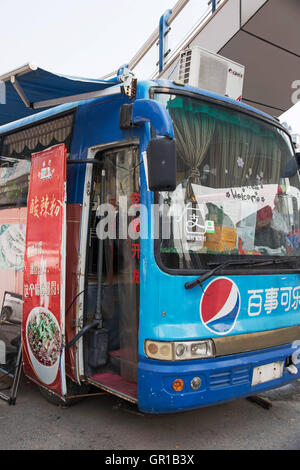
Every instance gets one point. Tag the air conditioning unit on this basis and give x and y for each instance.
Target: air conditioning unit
(203, 69)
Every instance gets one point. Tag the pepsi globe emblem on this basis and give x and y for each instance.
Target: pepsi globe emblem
(220, 305)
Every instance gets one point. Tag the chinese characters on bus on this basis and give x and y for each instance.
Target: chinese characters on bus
(135, 245)
(287, 298)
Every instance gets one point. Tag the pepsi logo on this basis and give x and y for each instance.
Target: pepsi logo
(220, 305)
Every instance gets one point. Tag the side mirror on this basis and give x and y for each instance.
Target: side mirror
(290, 168)
(161, 162)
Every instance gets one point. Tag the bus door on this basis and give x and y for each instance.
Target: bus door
(117, 217)
(43, 326)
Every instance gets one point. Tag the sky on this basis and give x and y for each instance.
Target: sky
(91, 38)
(87, 38)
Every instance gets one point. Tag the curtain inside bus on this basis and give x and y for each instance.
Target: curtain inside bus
(15, 155)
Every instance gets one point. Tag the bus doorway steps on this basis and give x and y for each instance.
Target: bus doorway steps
(115, 362)
(115, 384)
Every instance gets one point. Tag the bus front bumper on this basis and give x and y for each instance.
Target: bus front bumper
(222, 379)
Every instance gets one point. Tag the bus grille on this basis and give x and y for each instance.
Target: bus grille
(238, 376)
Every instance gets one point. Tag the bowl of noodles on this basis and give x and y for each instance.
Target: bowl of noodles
(43, 338)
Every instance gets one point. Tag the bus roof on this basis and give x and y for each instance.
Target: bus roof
(219, 98)
(143, 87)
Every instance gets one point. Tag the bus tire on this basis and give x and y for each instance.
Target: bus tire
(72, 389)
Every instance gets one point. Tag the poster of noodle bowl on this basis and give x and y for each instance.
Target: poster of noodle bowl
(44, 270)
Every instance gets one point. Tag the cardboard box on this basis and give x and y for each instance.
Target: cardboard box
(223, 239)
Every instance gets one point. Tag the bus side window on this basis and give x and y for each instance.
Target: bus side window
(14, 178)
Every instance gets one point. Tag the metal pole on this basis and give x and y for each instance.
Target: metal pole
(19, 71)
(163, 31)
(16, 381)
(178, 7)
(98, 314)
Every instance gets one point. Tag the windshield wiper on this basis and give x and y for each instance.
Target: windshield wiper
(264, 262)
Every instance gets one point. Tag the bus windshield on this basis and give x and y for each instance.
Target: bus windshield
(237, 188)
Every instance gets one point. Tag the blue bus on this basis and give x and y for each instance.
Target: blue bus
(182, 243)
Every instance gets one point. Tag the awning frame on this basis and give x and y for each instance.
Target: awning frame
(74, 98)
(124, 77)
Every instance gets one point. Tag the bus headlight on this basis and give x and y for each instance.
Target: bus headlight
(194, 349)
(179, 350)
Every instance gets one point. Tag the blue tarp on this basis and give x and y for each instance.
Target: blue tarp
(40, 85)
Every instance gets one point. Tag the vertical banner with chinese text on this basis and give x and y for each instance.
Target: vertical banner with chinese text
(43, 325)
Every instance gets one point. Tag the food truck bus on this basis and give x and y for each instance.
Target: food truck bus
(154, 239)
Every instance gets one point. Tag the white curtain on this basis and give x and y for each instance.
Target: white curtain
(241, 157)
(193, 132)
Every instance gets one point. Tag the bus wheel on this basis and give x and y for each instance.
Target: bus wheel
(72, 390)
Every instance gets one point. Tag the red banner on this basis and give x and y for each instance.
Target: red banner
(44, 270)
